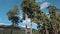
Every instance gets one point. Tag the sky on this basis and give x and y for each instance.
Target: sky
(6, 5)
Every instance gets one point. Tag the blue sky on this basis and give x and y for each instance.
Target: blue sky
(6, 5)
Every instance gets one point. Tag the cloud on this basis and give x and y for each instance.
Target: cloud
(44, 5)
(4, 24)
(39, 0)
(21, 16)
(27, 21)
(23, 26)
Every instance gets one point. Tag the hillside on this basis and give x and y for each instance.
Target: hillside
(6, 29)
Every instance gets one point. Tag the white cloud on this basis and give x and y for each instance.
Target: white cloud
(4, 24)
(21, 16)
(34, 23)
(39, 0)
(44, 5)
(23, 26)
(27, 21)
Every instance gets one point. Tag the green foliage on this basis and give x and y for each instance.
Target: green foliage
(32, 10)
(54, 18)
(12, 15)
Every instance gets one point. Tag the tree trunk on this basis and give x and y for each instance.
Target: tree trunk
(46, 31)
(39, 32)
(31, 28)
(12, 28)
(31, 25)
(26, 28)
(55, 31)
(11, 31)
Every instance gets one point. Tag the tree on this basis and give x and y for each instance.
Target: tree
(45, 21)
(27, 7)
(13, 17)
(30, 8)
(53, 16)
